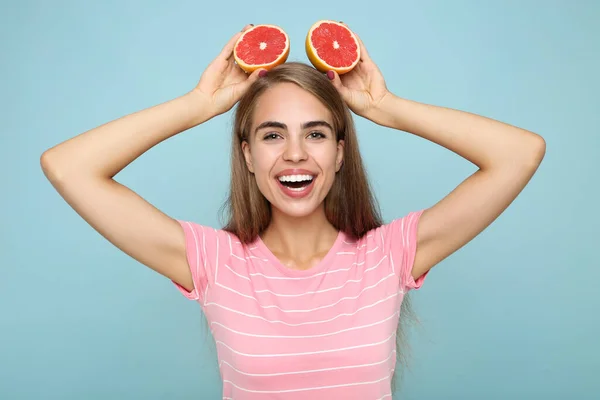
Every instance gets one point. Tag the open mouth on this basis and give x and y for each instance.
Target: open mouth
(296, 182)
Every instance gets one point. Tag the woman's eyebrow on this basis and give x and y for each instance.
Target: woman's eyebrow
(270, 124)
(314, 124)
(280, 125)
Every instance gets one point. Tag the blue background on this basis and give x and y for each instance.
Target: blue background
(513, 315)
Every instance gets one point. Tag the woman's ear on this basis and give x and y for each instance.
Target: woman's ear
(247, 156)
(339, 160)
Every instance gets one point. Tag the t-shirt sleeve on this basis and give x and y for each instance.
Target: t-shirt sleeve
(200, 246)
(401, 235)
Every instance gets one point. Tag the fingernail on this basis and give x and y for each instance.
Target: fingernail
(262, 73)
(251, 24)
(330, 75)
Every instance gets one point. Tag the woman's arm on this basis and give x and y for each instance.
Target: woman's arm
(82, 168)
(507, 158)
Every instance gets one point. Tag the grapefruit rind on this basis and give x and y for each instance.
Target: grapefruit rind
(249, 68)
(318, 62)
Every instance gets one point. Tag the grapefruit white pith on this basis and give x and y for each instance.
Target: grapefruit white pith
(331, 45)
(262, 46)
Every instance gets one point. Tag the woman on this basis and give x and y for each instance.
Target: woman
(303, 287)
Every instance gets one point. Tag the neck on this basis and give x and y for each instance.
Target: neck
(299, 242)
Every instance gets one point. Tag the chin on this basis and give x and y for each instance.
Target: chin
(296, 211)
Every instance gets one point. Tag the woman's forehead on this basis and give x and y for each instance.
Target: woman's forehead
(291, 105)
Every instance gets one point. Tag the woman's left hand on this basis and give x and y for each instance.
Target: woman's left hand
(363, 89)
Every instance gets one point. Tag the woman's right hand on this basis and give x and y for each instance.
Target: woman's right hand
(223, 82)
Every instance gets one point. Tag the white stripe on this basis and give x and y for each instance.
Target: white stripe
(240, 275)
(410, 224)
(339, 253)
(308, 353)
(306, 277)
(217, 256)
(312, 370)
(306, 389)
(197, 260)
(257, 258)
(231, 250)
(310, 309)
(324, 290)
(238, 257)
(204, 261)
(308, 336)
(236, 292)
(205, 295)
(402, 232)
(372, 250)
(309, 322)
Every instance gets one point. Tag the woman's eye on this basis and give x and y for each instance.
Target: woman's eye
(317, 135)
(271, 136)
(312, 135)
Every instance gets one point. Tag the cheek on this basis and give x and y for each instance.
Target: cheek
(263, 161)
(325, 156)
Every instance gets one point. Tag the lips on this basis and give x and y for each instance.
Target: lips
(295, 171)
(296, 193)
(296, 183)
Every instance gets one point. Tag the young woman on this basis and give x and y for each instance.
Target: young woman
(303, 288)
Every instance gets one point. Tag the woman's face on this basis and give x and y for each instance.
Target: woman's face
(292, 150)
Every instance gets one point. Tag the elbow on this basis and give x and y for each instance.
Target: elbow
(46, 163)
(529, 156)
(524, 155)
(51, 167)
(537, 150)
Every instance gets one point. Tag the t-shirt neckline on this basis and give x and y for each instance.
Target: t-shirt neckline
(325, 261)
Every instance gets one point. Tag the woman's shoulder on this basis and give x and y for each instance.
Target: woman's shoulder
(203, 234)
(400, 227)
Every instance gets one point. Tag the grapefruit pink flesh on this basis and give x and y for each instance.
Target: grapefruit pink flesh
(332, 46)
(263, 46)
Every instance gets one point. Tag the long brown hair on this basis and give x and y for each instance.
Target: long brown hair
(350, 205)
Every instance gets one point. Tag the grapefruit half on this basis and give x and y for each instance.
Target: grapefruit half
(262, 46)
(330, 45)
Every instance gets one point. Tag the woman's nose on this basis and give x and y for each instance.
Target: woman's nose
(294, 150)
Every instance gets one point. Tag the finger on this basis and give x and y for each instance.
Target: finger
(227, 50)
(243, 86)
(337, 83)
(364, 55)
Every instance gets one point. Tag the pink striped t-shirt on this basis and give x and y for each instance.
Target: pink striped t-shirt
(323, 333)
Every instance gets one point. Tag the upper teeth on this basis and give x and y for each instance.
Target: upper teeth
(295, 178)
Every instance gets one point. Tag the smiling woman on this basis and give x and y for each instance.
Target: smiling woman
(295, 182)
(305, 287)
(286, 146)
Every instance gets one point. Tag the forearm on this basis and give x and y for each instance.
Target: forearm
(107, 149)
(485, 142)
